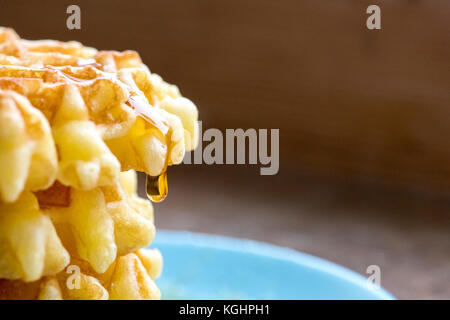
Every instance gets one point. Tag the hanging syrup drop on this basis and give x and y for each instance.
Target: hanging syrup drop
(157, 187)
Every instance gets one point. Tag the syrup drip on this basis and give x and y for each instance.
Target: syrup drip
(156, 186)
(146, 112)
(95, 74)
(88, 62)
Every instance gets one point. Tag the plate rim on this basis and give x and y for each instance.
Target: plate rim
(244, 245)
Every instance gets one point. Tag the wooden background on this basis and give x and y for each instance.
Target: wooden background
(349, 102)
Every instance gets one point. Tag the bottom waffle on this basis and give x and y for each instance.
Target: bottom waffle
(130, 277)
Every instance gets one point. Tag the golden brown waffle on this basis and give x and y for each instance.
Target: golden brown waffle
(38, 230)
(28, 158)
(107, 103)
(73, 120)
(29, 245)
(129, 277)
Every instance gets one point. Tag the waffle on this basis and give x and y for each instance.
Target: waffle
(75, 124)
(106, 112)
(38, 230)
(29, 245)
(28, 158)
(130, 277)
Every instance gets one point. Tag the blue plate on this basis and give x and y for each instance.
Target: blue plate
(200, 266)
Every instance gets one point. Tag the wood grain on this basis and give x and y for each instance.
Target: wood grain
(348, 101)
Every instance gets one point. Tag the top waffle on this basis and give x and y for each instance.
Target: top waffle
(79, 116)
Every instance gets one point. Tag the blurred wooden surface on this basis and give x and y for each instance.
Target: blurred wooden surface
(349, 102)
(407, 236)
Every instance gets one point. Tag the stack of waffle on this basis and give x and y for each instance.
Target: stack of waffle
(74, 125)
